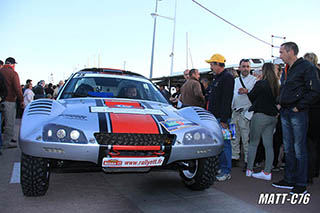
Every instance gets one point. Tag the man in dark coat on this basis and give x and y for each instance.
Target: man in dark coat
(300, 87)
(220, 101)
(12, 82)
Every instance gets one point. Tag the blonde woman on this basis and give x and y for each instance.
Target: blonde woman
(312, 58)
(263, 98)
(28, 94)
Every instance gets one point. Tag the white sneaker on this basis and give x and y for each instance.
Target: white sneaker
(249, 173)
(262, 175)
(9, 145)
(223, 177)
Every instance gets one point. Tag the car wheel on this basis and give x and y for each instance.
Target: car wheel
(199, 174)
(35, 175)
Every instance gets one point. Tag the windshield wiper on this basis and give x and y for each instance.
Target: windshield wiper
(77, 94)
(90, 94)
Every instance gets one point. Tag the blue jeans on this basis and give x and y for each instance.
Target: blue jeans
(0, 129)
(225, 157)
(294, 130)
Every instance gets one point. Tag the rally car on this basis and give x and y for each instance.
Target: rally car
(121, 122)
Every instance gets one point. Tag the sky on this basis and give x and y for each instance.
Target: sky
(52, 39)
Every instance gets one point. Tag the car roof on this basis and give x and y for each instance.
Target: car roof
(110, 71)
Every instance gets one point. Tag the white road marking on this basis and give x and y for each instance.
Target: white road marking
(15, 177)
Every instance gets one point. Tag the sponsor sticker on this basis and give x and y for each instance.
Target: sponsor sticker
(111, 163)
(123, 106)
(126, 110)
(132, 162)
(75, 117)
(172, 125)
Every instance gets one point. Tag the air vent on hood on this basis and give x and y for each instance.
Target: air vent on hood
(41, 106)
(204, 115)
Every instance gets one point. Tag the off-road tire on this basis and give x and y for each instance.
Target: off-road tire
(35, 175)
(204, 174)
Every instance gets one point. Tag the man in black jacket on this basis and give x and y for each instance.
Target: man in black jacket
(219, 104)
(300, 87)
(39, 90)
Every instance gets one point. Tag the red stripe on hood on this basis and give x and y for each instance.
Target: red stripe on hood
(123, 104)
(131, 123)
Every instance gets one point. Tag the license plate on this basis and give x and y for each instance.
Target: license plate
(132, 162)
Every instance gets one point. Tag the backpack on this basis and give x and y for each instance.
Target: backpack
(3, 88)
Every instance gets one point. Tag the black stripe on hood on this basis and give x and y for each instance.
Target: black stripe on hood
(102, 118)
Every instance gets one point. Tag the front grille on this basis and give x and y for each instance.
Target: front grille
(131, 139)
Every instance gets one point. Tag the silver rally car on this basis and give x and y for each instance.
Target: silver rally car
(121, 122)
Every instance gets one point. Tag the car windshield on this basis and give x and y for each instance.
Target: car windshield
(111, 87)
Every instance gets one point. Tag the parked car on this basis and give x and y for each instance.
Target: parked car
(121, 122)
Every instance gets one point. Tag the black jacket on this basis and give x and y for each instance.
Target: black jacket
(221, 95)
(316, 106)
(39, 92)
(301, 87)
(262, 99)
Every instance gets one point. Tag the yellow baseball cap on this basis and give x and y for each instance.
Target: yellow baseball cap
(217, 58)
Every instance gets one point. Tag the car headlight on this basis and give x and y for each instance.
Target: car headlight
(61, 133)
(197, 136)
(74, 134)
(188, 136)
(49, 133)
(200, 136)
(64, 134)
(203, 135)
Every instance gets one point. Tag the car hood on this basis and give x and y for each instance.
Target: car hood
(110, 116)
(124, 115)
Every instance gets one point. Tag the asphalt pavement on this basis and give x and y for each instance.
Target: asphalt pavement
(156, 191)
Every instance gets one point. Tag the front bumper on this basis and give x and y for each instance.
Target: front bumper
(61, 151)
(95, 153)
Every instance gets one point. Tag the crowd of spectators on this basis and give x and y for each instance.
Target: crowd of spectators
(275, 110)
(41, 90)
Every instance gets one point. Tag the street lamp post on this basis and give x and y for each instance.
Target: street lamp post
(154, 15)
(173, 38)
(154, 36)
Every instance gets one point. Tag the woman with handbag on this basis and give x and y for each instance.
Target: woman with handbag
(263, 98)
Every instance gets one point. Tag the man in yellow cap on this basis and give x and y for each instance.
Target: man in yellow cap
(219, 104)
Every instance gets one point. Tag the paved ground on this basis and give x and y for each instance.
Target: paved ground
(157, 191)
